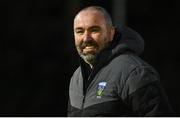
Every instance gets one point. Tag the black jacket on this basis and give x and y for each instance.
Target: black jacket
(121, 84)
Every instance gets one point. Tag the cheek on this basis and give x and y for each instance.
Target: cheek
(99, 38)
(77, 41)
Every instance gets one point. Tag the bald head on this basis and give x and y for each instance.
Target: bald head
(99, 10)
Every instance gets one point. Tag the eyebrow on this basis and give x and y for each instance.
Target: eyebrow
(94, 27)
(80, 28)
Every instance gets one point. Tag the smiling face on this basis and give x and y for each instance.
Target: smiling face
(91, 33)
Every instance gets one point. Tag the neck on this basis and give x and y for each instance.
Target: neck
(90, 64)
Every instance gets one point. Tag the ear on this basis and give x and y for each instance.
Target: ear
(112, 32)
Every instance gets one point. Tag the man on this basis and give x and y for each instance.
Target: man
(111, 79)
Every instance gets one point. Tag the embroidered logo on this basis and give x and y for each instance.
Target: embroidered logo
(101, 87)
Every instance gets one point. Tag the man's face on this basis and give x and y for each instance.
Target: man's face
(92, 34)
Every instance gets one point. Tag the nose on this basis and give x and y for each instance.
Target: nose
(87, 37)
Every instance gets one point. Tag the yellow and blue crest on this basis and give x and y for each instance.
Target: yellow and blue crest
(101, 87)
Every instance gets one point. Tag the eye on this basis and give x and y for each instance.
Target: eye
(80, 32)
(95, 30)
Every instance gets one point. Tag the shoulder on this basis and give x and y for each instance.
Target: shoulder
(128, 63)
(124, 64)
(138, 73)
(129, 59)
(76, 74)
(135, 72)
(77, 71)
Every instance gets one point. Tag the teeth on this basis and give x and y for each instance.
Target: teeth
(89, 47)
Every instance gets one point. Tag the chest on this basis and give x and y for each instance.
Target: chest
(104, 87)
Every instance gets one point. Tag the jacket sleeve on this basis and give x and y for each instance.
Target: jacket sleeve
(144, 94)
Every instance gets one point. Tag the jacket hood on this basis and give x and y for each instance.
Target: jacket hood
(127, 39)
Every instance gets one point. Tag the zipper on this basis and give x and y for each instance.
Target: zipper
(86, 87)
(82, 107)
(84, 95)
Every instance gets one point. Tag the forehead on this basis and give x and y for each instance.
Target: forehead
(89, 17)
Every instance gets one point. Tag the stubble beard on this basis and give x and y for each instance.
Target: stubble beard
(89, 57)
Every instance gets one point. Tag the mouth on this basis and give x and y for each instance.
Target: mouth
(89, 49)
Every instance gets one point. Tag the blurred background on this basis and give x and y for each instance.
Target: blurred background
(38, 57)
